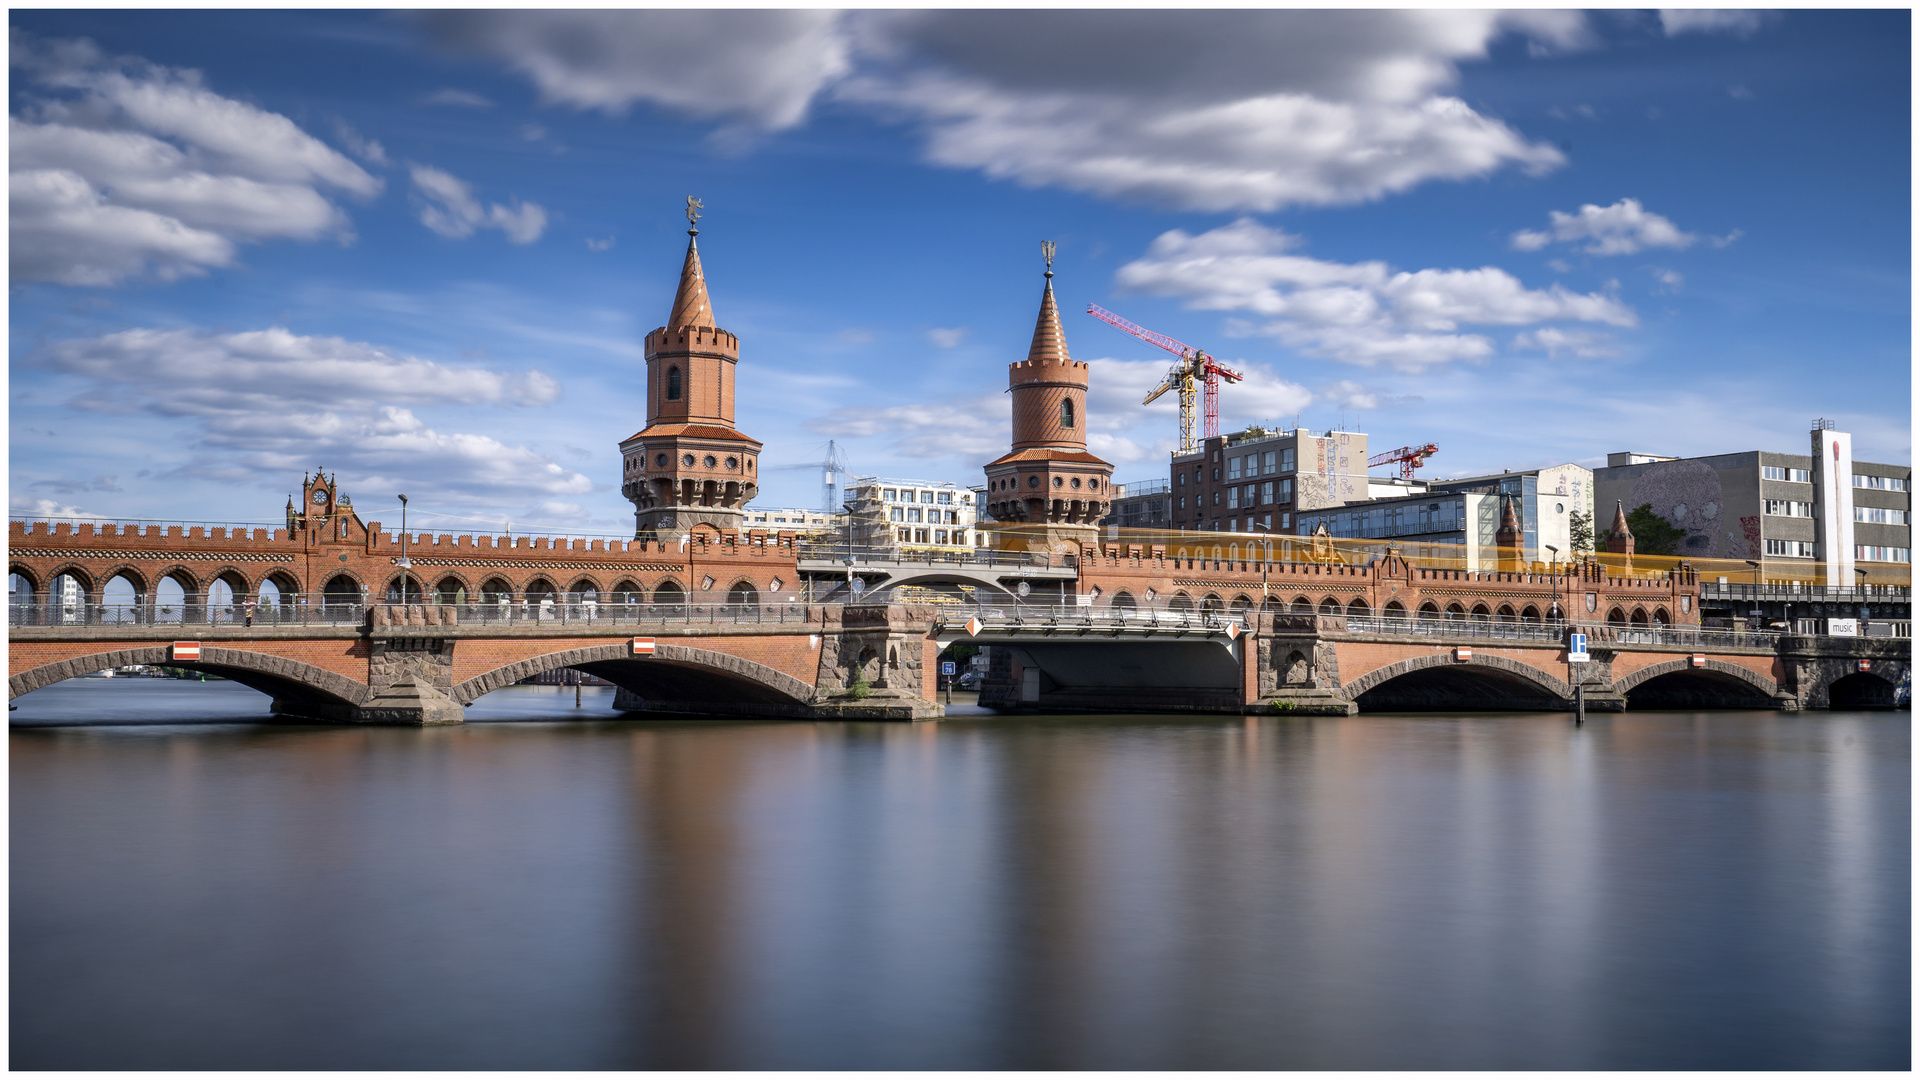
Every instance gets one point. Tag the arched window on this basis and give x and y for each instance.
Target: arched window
(403, 589)
(341, 594)
(119, 601)
(673, 384)
(1066, 412)
(670, 595)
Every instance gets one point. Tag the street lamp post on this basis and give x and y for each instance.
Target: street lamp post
(405, 564)
(1861, 591)
(1266, 556)
(1755, 610)
(1553, 568)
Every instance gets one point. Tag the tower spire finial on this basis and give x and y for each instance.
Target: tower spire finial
(694, 206)
(1046, 252)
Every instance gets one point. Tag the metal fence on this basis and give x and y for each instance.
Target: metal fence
(1733, 590)
(840, 553)
(354, 614)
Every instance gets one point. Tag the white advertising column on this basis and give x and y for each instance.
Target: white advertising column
(1833, 498)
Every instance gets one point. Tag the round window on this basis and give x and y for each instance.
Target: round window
(1559, 508)
(733, 463)
(1033, 481)
(709, 462)
(660, 461)
(1076, 481)
(686, 459)
(1057, 481)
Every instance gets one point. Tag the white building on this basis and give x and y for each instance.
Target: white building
(914, 513)
(800, 521)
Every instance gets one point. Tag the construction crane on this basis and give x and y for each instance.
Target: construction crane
(1409, 457)
(832, 469)
(1195, 370)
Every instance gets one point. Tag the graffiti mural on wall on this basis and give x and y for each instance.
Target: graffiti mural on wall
(1688, 495)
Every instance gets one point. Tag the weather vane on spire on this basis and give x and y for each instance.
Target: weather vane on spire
(694, 206)
(1046, 252)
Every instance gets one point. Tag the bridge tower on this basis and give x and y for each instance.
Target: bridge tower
(1620, 536)
(690, 470)
(1049, 479)
(1507, 540)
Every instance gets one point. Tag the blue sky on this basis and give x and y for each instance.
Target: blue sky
(423, 251)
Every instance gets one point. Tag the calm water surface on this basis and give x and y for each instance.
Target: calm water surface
(204, 891)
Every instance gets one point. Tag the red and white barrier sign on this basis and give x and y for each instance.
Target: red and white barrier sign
(185, 650)
(642, 646)
(1463, 653)
(1866, 665)
(1699, 659)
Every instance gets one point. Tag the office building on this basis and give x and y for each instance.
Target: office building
(1259, 477)
(1804, 519)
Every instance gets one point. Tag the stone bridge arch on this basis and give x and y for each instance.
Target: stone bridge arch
(674, 673)
(1717, 684)
(1438, 681)
(276, 676)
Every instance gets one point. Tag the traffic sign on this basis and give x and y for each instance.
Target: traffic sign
(185, 650)
(1577, 649)
(642, 646)
(948, 667)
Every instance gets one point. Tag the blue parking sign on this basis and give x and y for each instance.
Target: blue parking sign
(948, 667)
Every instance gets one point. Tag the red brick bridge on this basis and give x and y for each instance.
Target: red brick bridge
(730, 631)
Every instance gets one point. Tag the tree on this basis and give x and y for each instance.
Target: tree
(1652, 534)
(1580, 531)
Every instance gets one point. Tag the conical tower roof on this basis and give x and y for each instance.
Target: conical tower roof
(1049, 341)
(1620, 520)
(1509, 521)
(690, 304)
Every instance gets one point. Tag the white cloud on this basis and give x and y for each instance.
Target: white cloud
(367, 150)
(75, 487)
(45, 508)
(1348, 394)
(188, 372)
(945, 337)
(973, 427)
(1671, 281)
(121, 168)
(760, 68)
(1621, 229)
(465, 99)
(448, 207)
(265, 404)
(1712, 21)
(1357, 313)
(1553, 340)
(600, 245)
(1197, 110)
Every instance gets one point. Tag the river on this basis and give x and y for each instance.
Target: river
(552, 888)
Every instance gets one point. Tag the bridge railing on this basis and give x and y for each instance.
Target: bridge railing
(1113, 618)
(187, 614)
(1734, 590)
(588, 612)
(840, 553)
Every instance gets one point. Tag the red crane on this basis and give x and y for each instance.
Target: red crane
(1409, 457)
(1194, 367)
